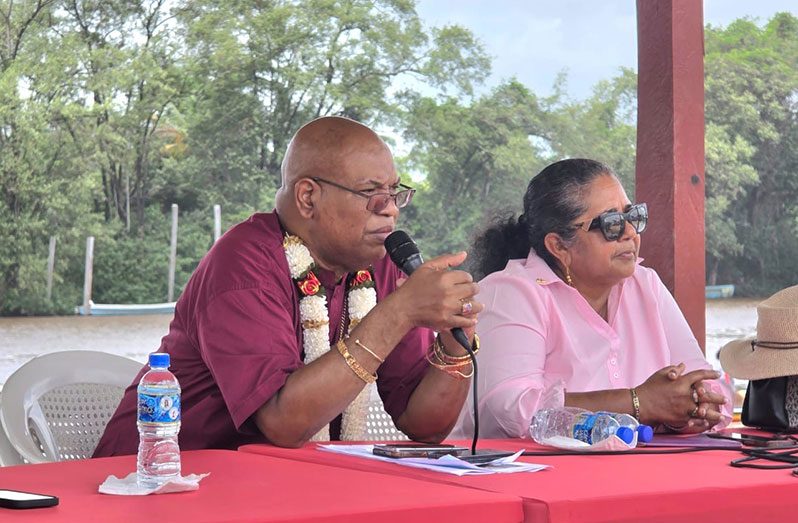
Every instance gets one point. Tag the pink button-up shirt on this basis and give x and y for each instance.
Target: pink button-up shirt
(540, 337)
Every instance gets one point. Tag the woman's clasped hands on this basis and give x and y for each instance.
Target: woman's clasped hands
(682, 402)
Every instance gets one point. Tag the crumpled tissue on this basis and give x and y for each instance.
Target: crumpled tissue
(613, 443)
(128, 486)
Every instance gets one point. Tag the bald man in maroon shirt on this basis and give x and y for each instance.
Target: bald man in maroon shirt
(236, 341)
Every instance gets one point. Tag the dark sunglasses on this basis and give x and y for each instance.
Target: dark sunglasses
(613, 224)
(377, 202)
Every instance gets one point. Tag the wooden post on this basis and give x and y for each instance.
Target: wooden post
(127, 202)
(50, 268)
(173, 254)
(87, 275)
(670, 148)
(217, 222)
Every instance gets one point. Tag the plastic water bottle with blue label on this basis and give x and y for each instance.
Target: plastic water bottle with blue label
(644, 432)
(580, 424)
(158, 423)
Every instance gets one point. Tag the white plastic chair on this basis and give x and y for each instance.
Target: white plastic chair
(379, 424)
(55, 407)
(8, 454)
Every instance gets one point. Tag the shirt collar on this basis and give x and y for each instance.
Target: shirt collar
(540, 270)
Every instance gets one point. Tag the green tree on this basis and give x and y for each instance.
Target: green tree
(477, 159)
(42, 193)
(262, 69)
(729, 175)
(602, 127)
(751, 85)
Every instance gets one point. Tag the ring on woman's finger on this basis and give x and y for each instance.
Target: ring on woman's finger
(467, 307)
(694, 412)
(695, 396)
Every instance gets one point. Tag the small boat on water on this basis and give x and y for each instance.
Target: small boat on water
(716, 292)
(118, 309)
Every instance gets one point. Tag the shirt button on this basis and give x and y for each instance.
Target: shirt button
(613, 360)
(616, 375)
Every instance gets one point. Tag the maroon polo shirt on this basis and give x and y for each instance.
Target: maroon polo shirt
(236, 336)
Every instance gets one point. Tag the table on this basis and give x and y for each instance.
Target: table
(245, 487)
(698, 486)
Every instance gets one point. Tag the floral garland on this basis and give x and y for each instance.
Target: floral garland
(315, 319)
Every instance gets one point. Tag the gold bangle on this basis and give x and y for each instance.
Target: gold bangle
(448, 363)
(448, 358)
(635, 403)
(350, 360)
(357, 342)
(435, 350)
(451, 370)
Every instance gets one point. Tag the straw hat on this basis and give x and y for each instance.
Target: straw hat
(774, 351)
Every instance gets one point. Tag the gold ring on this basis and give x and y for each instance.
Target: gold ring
(694, 412)
(467, 308)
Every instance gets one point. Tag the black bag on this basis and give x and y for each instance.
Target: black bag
(772, 404)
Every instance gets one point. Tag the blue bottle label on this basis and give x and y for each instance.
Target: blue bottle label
(159, 408)
(583, 428)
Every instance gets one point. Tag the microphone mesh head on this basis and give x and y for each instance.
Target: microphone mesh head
(400, 247)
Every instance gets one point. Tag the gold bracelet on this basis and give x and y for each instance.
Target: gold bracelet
(435, 350)
(635, 403)
(357, 342)
(451, 370)
(361, 373)
(448, 358)
(442, 359)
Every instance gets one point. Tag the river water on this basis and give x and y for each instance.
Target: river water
(136, 336)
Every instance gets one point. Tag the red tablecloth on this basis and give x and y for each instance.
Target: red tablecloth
(698, 486)
(244, 488)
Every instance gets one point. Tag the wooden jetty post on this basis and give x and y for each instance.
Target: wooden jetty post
(217, 222)
(173, 254)
(87, 275)
(50, 268)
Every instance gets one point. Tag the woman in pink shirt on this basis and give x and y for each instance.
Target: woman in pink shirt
(571, 318)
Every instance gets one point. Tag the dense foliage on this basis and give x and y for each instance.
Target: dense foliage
(112, 110)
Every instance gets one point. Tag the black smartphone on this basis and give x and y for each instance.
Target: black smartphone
(18, 499)
(484, 456)
(417, 450)
(751, 440)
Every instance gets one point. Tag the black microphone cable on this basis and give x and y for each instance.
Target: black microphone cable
(405, 253)
(474, 396)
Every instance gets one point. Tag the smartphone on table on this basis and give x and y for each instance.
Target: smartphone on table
(18, 499)
(752, 440)
(417, 450)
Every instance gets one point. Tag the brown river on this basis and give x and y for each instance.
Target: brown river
(135, 336)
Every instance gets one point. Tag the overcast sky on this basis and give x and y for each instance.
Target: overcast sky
(533, 40)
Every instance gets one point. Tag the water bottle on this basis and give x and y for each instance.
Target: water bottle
(576, 423)
(158, 423)
(644, 432)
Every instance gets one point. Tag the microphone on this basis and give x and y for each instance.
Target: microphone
(404, 253)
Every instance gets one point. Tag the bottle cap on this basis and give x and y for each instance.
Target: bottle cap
(644, 433)
(626, 434)
(159, 359)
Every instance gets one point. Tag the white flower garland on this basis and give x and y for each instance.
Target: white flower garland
(315, 320)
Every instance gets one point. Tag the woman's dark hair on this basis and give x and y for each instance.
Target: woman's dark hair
(554, 199)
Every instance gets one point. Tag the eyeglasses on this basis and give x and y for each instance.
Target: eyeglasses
(377, 202)
(613, 224)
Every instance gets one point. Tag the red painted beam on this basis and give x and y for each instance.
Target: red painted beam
(670, 148)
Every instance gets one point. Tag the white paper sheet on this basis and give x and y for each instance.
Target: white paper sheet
(446, 464)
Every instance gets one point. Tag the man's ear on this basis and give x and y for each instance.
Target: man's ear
(556, 246)
(305, 196)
